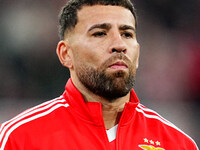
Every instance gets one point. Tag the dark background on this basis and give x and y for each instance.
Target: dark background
(168, 78)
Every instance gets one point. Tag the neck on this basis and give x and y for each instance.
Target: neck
(111, 111)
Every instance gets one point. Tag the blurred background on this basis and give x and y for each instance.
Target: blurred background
(168, 78)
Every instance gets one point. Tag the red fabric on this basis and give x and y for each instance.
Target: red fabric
(69, 123)
(113, 145)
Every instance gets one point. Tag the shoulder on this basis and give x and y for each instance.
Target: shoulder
(166, 127)
(28, 116)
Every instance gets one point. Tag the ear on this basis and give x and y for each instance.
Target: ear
(138, 51)
(64, 54)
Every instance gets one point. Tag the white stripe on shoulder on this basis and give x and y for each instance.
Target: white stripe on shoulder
(28, 120)
(29, 110)
(152, 111)
(111, 133)
(27, 113)
(144, 111)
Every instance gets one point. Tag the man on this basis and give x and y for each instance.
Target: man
(99, 110)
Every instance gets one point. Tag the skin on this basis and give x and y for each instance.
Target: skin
(102, 32)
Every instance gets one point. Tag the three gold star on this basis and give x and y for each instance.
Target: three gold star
(151, 141)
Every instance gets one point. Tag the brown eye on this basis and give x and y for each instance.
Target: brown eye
(98, 34)
(127, 35)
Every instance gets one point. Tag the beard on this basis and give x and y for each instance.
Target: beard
(109, 86)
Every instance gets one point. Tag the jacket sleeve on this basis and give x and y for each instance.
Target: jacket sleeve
(7, 142)
(193, 146)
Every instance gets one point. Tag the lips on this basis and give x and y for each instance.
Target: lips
(120, 65)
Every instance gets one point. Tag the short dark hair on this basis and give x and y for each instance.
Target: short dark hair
(68, 15)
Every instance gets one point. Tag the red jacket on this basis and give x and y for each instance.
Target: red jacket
(69, 123)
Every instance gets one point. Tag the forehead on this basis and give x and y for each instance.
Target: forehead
(98, 14)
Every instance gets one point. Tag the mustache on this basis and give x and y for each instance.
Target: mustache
(114, 58)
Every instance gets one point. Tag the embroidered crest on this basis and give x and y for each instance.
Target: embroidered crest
(150, 147)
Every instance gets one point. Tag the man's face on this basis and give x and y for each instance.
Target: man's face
(104, 50)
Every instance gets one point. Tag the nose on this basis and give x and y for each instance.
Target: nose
(117, 44)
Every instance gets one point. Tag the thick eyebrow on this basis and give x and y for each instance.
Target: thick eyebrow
(126, 27)
(100, 26)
